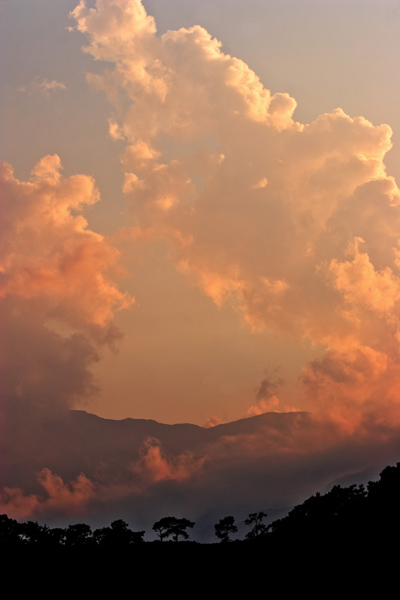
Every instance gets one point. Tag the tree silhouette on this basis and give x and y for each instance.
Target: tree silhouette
(339, 512)
(118, 535)
(31, 533)
(171, 526)
(9, 532)
(384, 500)
(224, 528)
(259, 528)
(78, 534)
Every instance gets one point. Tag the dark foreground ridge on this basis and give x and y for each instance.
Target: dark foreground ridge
(356, 519)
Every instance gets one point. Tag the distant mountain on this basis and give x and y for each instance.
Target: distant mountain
(61, 466)
(76, 441)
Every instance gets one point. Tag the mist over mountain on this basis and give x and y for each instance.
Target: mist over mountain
(71, 466)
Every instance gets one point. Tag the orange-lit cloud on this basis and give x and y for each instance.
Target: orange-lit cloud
(357, 387)
(50, 255)
(296, 224)
(58, 497)
(155, 465)
(57, 291)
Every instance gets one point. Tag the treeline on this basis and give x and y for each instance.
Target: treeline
(355, 512)
(361, 514)
(117, 536)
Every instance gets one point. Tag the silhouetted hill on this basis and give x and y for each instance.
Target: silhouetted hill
(62, 465)
(76, 441)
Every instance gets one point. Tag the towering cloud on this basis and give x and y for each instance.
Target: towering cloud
(57, 292)
(296, 224)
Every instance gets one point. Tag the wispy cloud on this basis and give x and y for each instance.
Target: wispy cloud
(44, 87)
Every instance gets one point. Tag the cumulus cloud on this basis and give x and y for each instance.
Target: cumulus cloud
(57, 289)
(295, 224)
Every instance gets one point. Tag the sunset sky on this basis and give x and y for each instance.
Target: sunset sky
(238, 229)
(201, 217)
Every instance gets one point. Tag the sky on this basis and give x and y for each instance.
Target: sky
(200, 210)
(202, 339)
